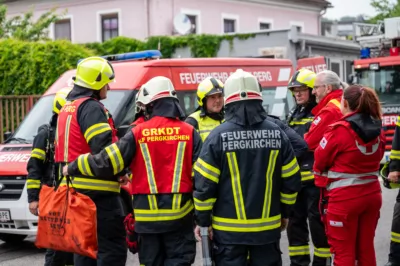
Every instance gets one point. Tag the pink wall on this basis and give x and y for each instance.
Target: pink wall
(133, 15)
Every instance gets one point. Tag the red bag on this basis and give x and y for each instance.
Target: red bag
(67, 221)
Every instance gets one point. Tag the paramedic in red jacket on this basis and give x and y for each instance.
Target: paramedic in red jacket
(328, 92)
(347, 166)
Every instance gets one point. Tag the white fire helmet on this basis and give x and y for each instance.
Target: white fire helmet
(154, 89)
(241, 86)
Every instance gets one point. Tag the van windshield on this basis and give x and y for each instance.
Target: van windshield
(277, 101)
(42, 112)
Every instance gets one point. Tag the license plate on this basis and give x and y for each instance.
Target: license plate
(5, 216)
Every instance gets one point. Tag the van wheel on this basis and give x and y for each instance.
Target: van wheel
(12, 239)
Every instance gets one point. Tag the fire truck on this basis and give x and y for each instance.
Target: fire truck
(379, 68)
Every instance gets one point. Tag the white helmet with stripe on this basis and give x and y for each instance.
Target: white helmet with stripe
(241, 86)
(156, 88)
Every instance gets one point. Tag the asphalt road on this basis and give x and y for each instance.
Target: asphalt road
(27, 254)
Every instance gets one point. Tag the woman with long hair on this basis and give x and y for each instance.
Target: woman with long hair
(347, 169)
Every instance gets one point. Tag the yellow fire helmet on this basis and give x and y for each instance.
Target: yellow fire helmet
(60, 99)
(302, 77)
(241, 86)
(207, 87)
(94, 73)
(156, 88)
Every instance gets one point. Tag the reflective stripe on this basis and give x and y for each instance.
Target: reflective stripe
(335, 102)
(93, 184)
(398, 121)
(152, 202)
(32, 184)
(363, 149)
(178, 166)
(149, 168)
(176, 201)
(395, 155)
(250, 225)
(332, 174)
(269, 182)
(299, 250)
(290, 169)
(115, 157)
(236, 186)
(349, 182)
(306, 175)
(395, 237)
(206, 170)
(206, 205)
(83, 165)
(66, 137)
(289, 199)
(95, 130)
(322, 252)
(163, 214)
(302, 121)
(38, 154)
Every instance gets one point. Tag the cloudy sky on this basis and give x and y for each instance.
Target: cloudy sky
(342, 8)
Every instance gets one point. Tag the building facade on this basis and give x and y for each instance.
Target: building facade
(99, 20)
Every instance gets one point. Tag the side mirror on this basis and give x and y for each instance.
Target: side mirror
(7, 135)
(122, 130)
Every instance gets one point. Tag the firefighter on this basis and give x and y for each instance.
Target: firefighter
(161, 152)
(85, 126)
(393, 167)
(346, 165)
(41, 172)
(210, 112)
(246, 180)
(307, 203)
(328, 93)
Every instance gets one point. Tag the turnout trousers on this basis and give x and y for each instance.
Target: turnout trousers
(250, 255)
(58, 258)
(176, 248)
(351, 226)
(307, 207)
(111, 234)
(394, 255)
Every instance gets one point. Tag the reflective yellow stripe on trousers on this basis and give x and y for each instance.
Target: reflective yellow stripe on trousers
(395, 237)
(306, 175)
(38, 154)
(299, 250)
(322, 252)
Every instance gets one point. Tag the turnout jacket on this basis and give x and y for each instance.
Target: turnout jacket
(246, 180)
(85, 126)
(161, 160)
(40, 166)
(394, 164)
(203, 123)
(300, 120)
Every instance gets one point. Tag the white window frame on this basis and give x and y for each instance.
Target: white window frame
(266, 20)
(194, 12)
(99, 24)
(231, 17)
(52, 28)
(298, 24)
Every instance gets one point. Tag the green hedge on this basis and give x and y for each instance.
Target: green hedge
(31, 67)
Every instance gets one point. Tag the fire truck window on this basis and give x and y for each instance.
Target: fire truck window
(188, 101)
(385, 81)
(277, 106)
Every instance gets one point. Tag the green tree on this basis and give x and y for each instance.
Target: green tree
(23, 27)
(385, 9)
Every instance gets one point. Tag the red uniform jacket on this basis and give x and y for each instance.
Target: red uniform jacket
(70, 142)
(325, 113)
(168, 141)
(346, 165)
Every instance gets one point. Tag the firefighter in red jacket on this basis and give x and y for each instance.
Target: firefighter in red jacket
(85, 126)
(347, 163)
(161, 152)
(328, 92)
